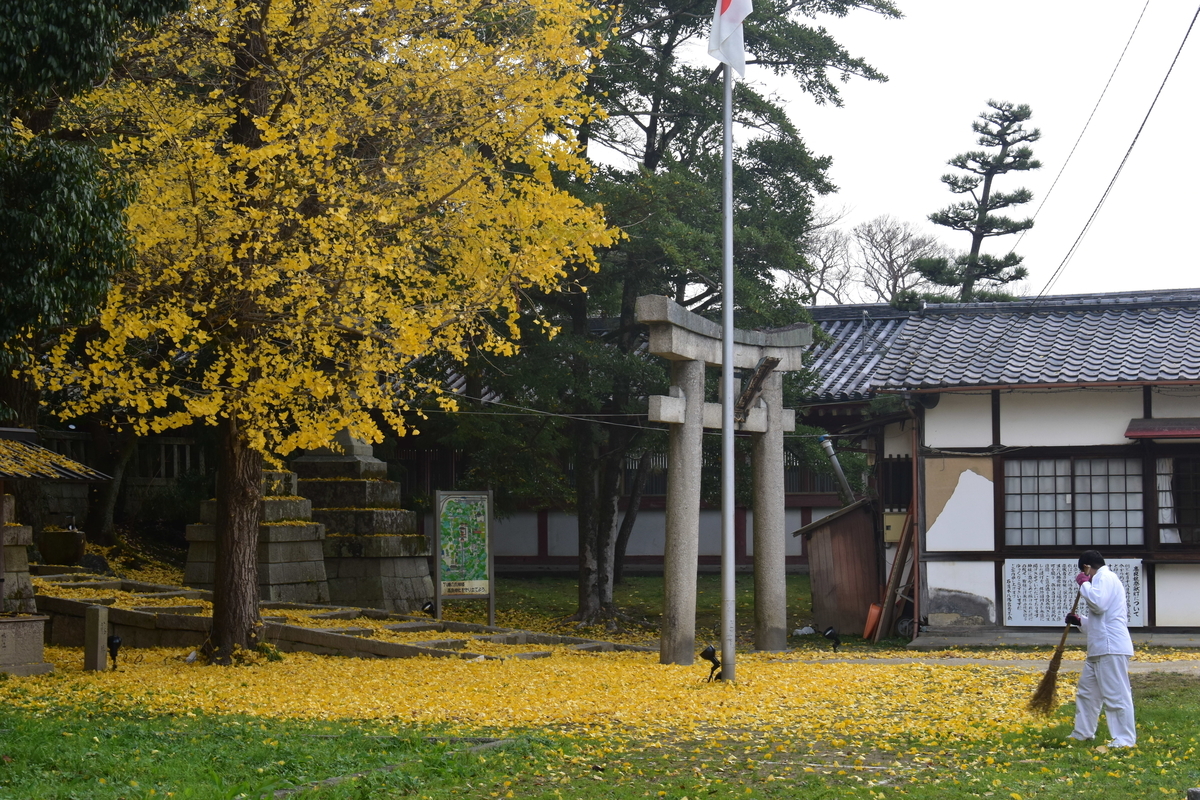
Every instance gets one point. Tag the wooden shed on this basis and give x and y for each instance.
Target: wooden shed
(844, 566)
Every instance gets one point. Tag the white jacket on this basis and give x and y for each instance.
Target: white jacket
(1107, 622)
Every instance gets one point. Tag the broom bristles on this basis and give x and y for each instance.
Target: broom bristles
(1045, 699)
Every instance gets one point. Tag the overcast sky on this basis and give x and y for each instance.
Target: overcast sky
(947, 58)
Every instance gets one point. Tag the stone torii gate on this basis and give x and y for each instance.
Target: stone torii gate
(691, 343)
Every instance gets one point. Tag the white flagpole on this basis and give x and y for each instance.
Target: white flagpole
(728, 596)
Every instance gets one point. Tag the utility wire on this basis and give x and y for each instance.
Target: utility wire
(1087, 225)
(1012, 323)
(1075, 146)
(525, 411)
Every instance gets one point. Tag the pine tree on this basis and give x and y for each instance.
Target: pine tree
(1002, 131)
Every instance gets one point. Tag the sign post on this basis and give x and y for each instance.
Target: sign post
(464, 549)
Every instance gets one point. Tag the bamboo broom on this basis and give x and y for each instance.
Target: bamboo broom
(1045, 699)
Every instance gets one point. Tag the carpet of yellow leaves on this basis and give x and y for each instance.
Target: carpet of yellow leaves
(133, 562)
(615, 694)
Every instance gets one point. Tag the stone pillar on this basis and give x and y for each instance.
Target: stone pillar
(17, 589)
(681, 552)
(374, 556)
(770, 579)
(95, 639)
(291, 563)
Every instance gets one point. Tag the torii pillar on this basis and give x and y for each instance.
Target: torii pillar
(691, 343)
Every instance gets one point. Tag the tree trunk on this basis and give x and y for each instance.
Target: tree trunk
(585, 509)
(239, 511)
(102, 497)
(606, 524)
(631, 511)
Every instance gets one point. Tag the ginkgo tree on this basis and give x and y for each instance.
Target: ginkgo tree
(328, 193)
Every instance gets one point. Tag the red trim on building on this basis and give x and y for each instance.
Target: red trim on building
(1164, 428)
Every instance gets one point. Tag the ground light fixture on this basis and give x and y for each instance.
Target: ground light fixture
(114, 646)
(709, 654)
(832, 635)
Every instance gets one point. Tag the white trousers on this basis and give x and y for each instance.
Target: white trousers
(1104, 684)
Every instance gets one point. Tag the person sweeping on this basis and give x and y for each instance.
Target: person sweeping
(1104, 682)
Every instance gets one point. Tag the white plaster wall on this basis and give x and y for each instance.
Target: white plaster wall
(1061, 418)
(710, 532)
(649, 534)
(968, 521)
(515, 535)
(1183, 401)
(562, 531)
(897, 439)
(970, 577)
(960, 419)
(1177, 595)
(791, 521)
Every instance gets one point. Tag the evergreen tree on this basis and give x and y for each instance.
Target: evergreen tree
(1001, 130)
(663, 116)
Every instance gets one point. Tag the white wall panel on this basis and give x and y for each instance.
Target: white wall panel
(897, 439)
(1062, 418)
(1183, 401)
(1177, 595)
(516, 535)
(969, 577)
(960, 420)
(563, 534)
(649, 534)
(968, 521)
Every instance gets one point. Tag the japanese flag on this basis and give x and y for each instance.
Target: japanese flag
(725, 43)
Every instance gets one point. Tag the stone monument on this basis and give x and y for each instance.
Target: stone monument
(374, 555)
(291, 564)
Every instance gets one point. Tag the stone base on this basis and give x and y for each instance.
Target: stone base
(348, 493)
(387, 572)
(367, 521)
(291, 564)
(18, 590)
(21, 645)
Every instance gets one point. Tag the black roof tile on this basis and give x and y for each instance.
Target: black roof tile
(1122, 337)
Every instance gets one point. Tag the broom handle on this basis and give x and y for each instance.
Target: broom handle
(1063, 641)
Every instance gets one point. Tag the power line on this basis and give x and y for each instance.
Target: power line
(1092, 218)
(599, 419)
(1075, 146)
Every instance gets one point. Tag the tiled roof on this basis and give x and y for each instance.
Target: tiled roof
(862, 335)
(1077, 339)
(1126, 337)
(24, 459)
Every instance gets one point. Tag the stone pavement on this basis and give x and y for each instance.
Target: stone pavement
(1036, 665)
(944, 638)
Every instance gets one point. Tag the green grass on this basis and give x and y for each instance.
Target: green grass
(81, 756)
(640, 598)
(70, 755)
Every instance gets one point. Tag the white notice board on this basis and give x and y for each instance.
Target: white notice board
(1040, 591)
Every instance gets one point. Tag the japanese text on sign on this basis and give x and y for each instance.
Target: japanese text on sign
(1041, 591)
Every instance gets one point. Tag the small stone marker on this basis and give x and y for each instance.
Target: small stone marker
(1193, 794)
(95, 638)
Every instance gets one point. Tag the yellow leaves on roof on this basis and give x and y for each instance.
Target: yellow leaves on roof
(389, 198)
(26, 460)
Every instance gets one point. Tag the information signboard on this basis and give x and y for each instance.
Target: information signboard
(1040, 591)
(463, 547)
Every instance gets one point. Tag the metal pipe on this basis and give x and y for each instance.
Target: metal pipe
(847, 494)
(728, 554)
